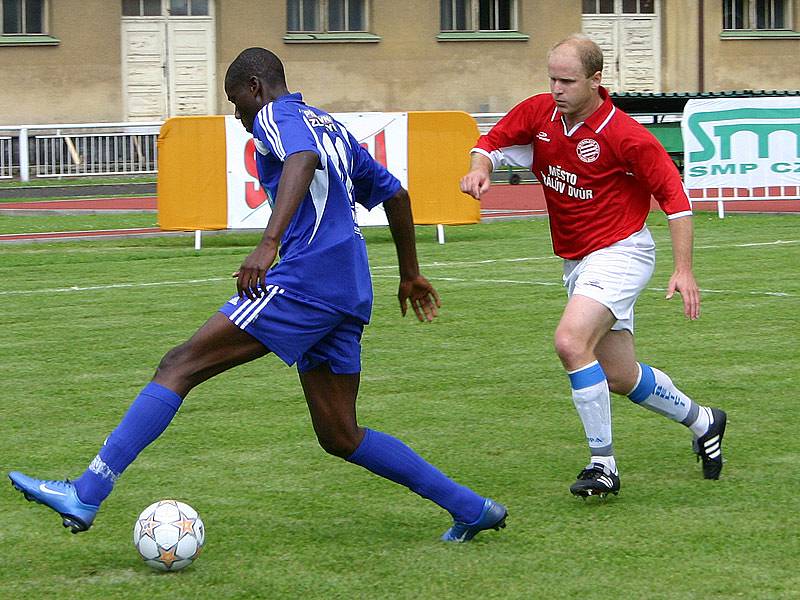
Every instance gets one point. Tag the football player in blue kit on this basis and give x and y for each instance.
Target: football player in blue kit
(309, 309)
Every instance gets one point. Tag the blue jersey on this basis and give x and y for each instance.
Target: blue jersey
(323, 257)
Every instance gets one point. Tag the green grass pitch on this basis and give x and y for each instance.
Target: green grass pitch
(479, 392)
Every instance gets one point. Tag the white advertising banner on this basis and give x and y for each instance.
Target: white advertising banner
(742, 148)
(384, 135)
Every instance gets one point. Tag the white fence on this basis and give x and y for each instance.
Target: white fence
(86, 149)
(79, 149)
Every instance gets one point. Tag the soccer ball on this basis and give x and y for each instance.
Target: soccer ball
(169, 535)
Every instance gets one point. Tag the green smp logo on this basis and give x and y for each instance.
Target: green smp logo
(760, 122)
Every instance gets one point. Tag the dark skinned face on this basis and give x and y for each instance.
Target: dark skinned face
(247, 98)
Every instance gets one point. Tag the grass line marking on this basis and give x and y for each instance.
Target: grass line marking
(553, 283)
(425, 265)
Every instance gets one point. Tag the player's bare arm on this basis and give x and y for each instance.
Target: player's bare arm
(682, 280)
(477, 181)
(413, 286)
(298, 171)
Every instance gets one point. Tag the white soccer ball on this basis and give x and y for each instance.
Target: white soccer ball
(169, 535)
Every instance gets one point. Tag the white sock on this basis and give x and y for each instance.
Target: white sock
(592, 400)
(703, 421)
(606, 461)
(655, 391)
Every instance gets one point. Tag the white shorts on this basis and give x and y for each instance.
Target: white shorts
(614, 276)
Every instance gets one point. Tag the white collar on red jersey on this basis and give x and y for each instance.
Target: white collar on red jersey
(597, 120)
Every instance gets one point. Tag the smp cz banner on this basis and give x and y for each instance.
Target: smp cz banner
(742, 148)
(384, 135)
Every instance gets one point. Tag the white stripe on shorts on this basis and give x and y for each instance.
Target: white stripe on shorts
(245, 305)
(259, 305)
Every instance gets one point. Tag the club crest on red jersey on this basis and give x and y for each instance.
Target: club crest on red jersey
(588, 150)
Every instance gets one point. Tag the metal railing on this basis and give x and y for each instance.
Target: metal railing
(80, 149)
(486, 121)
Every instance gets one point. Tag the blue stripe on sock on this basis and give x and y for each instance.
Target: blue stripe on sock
(647, 383)
(587, 377)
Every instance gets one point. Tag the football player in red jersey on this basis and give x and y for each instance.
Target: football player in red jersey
(599, 168)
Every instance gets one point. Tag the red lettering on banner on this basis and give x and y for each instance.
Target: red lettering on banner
(380, 147)
(254, 197)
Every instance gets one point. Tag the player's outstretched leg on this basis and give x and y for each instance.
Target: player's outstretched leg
(217, 346)
(331, 400)
(655, 391)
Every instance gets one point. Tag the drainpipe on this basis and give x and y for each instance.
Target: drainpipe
(701, 59)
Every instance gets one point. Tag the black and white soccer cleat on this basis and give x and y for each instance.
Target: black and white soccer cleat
(708, 447)
(595, 480)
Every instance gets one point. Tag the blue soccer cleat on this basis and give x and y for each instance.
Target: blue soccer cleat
(493, 516)
(61, 496)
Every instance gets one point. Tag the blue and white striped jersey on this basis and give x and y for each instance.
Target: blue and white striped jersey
(323, 256)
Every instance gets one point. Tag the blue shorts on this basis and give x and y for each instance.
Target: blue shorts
(299, 330)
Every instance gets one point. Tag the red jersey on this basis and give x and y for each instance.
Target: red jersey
(597, 178)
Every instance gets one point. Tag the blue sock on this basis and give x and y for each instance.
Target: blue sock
(146, 418)
(388, 457)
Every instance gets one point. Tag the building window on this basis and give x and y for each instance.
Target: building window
(755, 14)
(23, 17)
(628, 7)
(598, 7)
(188, 8)
(638, 7)
(326, 16)
(141, 8)
(175, 8)
(478, 15)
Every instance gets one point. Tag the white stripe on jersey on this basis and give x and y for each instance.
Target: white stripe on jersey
(271, 120)
(518, 156)
(269, 133)
(346, 137)
(319, 185)
(607, 119)
(555, 113)
(495, 156)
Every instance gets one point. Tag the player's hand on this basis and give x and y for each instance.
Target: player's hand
(424, 299)
(684, 283)
(251, 276)
(475, 183)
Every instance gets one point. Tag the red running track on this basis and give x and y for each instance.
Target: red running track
(528, 199)
(502, 201)
(148, 203)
